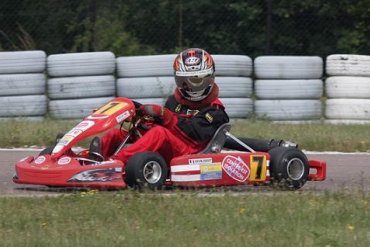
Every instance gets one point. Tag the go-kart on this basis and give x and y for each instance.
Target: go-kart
(226, 160)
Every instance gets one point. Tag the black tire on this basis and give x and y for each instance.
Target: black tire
(146, 170)
(289, 168)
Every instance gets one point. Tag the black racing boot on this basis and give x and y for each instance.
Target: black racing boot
(95, 150)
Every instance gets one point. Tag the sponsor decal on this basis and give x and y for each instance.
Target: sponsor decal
(84, 125)
(235, 168)
(196, 172)
(209, 117)
(201, 161)
(192, 112)
(192, 61)
(64, 160)
(74, 132)
(123, 116)
(178, 108)
(41, 159)
(66, 139)
(209, 172)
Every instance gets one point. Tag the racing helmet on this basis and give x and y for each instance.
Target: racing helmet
(194, 73)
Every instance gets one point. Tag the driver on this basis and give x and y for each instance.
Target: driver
(186, 123)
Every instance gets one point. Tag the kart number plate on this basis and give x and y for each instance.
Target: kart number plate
(111, 108)
(258, 167)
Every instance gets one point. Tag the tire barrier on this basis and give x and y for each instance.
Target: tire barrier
(348, 89)
(81, 87)
(149, 79)
(23, 85)
(347, 65)
(288, 110)
(21, 62)
(23, 106)
(79, 80)
(288, 88)
(75, 108)
(81, 64)
(288, 67)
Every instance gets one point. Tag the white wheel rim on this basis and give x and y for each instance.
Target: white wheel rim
(295, 169)
(152, 172)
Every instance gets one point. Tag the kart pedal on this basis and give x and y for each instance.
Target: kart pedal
(95, 150)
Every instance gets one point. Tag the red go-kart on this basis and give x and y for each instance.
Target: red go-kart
(226, 161)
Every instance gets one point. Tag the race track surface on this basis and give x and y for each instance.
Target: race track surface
(345, 172)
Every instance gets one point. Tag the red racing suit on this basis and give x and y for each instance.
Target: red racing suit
(186, 128)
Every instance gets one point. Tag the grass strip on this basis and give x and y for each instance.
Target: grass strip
(128, 218)
(313, 137)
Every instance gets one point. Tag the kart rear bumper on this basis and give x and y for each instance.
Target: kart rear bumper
(320, 167)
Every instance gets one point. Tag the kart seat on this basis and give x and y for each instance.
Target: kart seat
(217, 142)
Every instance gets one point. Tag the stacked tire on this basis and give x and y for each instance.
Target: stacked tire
(233, 76)
(146, 79)
(288, 88)
(150, 79)
(22, 85)
(79, 83)
(347, 88)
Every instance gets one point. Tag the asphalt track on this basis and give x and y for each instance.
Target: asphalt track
(345, 172)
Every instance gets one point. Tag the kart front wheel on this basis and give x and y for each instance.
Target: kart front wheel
(146, 169)
(289, 168)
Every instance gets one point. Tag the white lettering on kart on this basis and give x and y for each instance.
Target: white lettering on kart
(201, 161)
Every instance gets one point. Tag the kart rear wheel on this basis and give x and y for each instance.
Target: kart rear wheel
(289, 168)
(146, 169)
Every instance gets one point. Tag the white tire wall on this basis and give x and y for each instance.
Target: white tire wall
(22, 84)
(75, 108)
(156, 101)
(150, 79)
(289, 89)
(288, 109)
(21, 62)
(347, 87)
(141, 66)
(235, 87)
(288, 67)
(162, 87)
(22, 119)
(23, 106)
(81, 87)
(238, 107)
(162, 65)
(146, 87)
(347, 65)
(233, 65)
(348, 109)
(81, 64)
